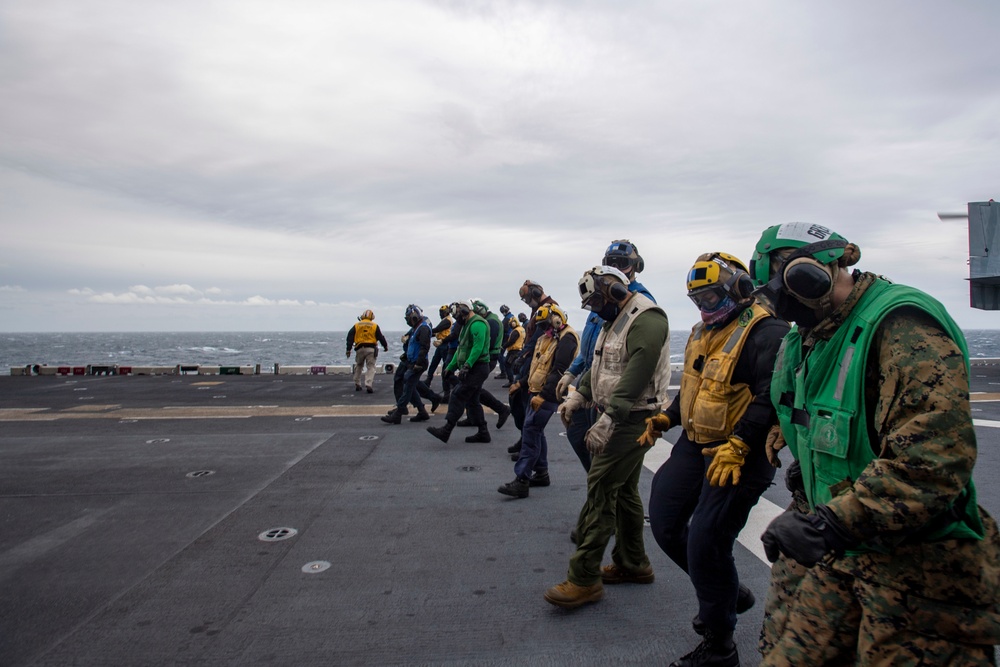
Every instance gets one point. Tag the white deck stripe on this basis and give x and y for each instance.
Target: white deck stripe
(986, 422)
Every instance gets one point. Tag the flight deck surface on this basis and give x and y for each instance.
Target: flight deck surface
(275, 520)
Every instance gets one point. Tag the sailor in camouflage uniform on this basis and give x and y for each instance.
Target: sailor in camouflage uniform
(899, 564)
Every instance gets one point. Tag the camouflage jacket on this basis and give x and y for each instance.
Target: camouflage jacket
(917, 395)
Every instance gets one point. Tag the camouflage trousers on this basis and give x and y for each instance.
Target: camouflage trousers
(837, 619)
(827, 615)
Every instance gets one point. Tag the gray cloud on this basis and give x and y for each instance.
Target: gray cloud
(337, 155)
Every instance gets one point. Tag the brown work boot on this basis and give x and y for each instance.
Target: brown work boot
(570, 596)
(612, 574)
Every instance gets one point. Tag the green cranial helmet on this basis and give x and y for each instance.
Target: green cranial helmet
(480, 307)
(828, 246)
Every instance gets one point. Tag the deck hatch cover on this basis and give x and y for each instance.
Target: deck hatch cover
(277, 534)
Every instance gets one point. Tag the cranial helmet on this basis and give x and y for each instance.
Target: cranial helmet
(799, 260)
(480, 307)
(367, 315)
(522, 318)
(600, 284)
(531, 291)
(444, 310)
(551, 315)
(557, 318)
(505, 309)
(623, 255)
(461, 309)
(715, 276)
(413, 314)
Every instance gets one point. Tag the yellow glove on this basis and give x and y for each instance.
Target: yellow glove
(727, 460)
(775, 442)
(536, 402)
(655, 426)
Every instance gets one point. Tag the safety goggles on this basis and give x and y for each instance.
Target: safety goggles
(708, 299)
(620, 254)
(619, 262)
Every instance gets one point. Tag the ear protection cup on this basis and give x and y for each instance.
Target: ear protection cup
(741, 285)
(640, 265)
(618, 291)
(808, 279)
(535, 292)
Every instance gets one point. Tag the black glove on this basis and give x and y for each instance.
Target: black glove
(420, 366)
(463, 373)
(807, 538)
(793, 478)
(402, 357)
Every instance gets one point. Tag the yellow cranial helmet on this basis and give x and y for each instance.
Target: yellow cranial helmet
(367, 315)
(716, 275)
(549, 313)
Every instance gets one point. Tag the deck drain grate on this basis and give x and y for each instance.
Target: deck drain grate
(316, 567)
(277, 534)
(157, 441)
(201, 473)
(469, 468)
(368, 437)
(303, 419)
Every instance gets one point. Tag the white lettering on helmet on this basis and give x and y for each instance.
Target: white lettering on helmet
(806, 232)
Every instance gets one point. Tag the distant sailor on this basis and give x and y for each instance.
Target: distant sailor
(442, 352)
(412, 364)
(554, 351)
(365, 337)
(471, 364)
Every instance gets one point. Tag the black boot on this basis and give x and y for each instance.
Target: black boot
(465, 422)
(515, 448)
(716, 650)
(539, 479)
(482, 435)
(421, 416)
(394, 417)
(442, 433)
(744, 601)
(518, 488)
(436, 400)
(502, 418)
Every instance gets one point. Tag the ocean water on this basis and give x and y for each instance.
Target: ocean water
(308, 348)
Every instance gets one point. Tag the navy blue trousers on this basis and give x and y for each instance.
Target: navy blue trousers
(696, 524)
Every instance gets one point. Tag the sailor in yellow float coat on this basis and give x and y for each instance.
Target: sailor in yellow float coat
(725, 411)
(365, 337)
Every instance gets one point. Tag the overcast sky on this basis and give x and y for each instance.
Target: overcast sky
(284, 165)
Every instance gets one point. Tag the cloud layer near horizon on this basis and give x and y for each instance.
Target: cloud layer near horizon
(291, 163)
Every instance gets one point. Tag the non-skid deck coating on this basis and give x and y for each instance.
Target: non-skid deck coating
(131, 510)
